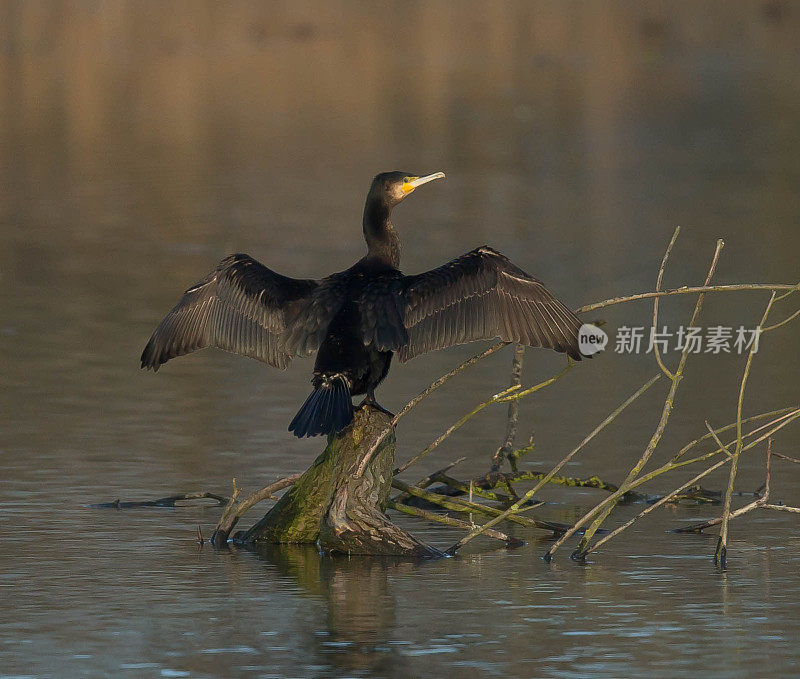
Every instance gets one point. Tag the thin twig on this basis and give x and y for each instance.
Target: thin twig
(669, 405)
(450, 521)
(233, 512)
(666, 498)
(759, 502)
(433, 386)
(783, 322)
(505, 449)
(686, 290)
(777, 425)
(717, 440)
(525, 498)
(654, 330)
(783, 508)
(720, 553)
(789, 293)
(507, 395)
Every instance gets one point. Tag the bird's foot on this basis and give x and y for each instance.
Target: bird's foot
(370, 401)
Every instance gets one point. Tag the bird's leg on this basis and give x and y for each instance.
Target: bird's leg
(369, 400)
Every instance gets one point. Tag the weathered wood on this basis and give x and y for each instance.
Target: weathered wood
(330, 507)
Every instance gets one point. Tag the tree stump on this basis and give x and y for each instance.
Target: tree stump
(330, 507)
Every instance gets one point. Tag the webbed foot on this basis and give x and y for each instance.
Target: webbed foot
(369, 400)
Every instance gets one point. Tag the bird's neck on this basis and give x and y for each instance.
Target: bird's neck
(383, 243)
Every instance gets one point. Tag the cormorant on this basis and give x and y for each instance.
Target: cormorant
(358, 318)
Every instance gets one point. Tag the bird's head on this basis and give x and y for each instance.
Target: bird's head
(389, 188)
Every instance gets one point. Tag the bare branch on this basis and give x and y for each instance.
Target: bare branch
(656, 351)
(507, 395)
(507, 447)
(686, 290)
(669, 404)
(783, 322)
(450, 521)
(433, 386)
(720, 554)
(233, 512)
(760, 502)
(525, 498)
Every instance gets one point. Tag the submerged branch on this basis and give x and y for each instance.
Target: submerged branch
(465, 507)
(493, 479)
(450, 521)
(727, 513)
(163, 501)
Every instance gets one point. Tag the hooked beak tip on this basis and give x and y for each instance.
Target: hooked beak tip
(419, 181)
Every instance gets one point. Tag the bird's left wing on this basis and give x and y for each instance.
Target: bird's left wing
(245, 308)
(482, 295)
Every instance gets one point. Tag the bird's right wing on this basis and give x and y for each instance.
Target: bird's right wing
(482, 295)
(245, 308)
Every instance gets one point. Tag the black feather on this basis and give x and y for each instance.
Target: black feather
(482, 295)
(329, 408)
(358, 318)
(248, 309)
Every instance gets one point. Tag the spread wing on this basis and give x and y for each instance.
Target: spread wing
(482, 295)
(248, 309)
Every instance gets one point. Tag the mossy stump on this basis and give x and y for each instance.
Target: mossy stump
(330, 507)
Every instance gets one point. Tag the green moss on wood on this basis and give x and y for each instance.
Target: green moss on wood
(330, 507)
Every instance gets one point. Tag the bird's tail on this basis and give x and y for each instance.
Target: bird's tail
(329, 408)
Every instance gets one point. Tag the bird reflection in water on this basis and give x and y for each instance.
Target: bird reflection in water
(360, 606)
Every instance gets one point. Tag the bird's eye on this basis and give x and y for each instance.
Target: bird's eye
(406, 180)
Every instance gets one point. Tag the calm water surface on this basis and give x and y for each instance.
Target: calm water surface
(141, 142)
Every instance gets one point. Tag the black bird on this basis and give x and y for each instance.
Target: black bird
(358, 318)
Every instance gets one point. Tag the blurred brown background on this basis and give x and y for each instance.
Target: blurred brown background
(142, 141)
